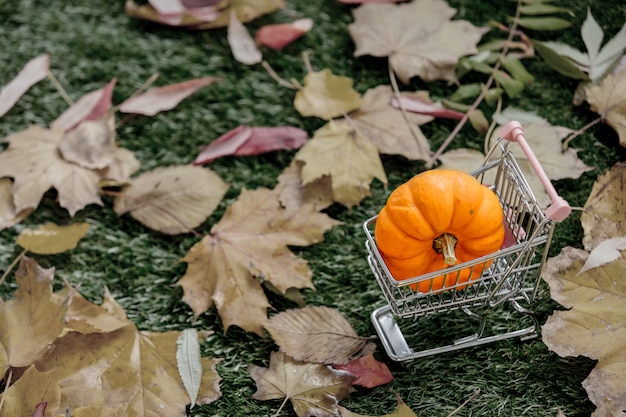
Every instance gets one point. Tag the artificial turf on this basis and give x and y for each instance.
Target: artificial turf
(91, 42)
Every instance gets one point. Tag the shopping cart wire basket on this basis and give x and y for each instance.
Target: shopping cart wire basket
(508, 277)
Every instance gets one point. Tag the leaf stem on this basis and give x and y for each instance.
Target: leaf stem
(6, 387)
(15, 261)
(281, 406)
(276, 77)
(579, 132)
(471, 397)
(140, 90)
(59, 88)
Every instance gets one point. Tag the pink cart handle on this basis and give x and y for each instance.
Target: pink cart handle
(559, 208)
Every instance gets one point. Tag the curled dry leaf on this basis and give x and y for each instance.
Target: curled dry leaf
(325, 155)
(92, 106)
(9, 216)
(245, 140)
(608, 100)
(313, 389)
(250, 244)
(604, 214)
(91, 144)
(292, 194)
(326, 95)
(159, 99)
(51, 238)
(593, 325)
(418, 37)
(315, 334)
(280, 35)
(34, 71)
(172, 200)
(182, 13)
(241, 42)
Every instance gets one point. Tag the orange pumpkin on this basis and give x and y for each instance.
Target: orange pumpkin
(438, 219)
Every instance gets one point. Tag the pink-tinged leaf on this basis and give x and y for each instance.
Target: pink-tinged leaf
(245, 140)
(241, 43)
(167, 6)
(34, 71)
(40, 409)
(415, 105)
(370, 373)
(280, 35)
(91, 106)
(159, 99)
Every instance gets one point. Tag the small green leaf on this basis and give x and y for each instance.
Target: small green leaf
(466, 91)
(511, 86)
(517, 70)
(559, 63)
(188, 361)
(51, 239)
(544, 23)
(542, 9)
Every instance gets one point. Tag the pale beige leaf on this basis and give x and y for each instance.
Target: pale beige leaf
(34, 71)
(387, 128)
(8, 215)
(609, 100)
(313, 389)
(92, 106)
(172, 199)
(51, 238)
(33, 161)
(604, 214)
(326, 95)
(315, 334)
(34, 318)
(605, 252)
(293, 194)
(241, 43)
(327, 154)
(91, 144)
(119, 171)
(189, 362)
(594, 324)
(418, 37)
(250, 244)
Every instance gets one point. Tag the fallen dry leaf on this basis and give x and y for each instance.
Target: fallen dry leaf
(34, 71)
(8, 215)
(315, 334)
(241, 43)
(92, 106)
(594, 324)
(51, 238)
(249, 244)
(159, 99)
(422, 105)
(325, 155)
(91, 144)
(605, 252)
(313, 389)
(246, 10)
(418, 37)
(604, 211)
(292, 194)
(378, 120)
(280, 35)
(608, 100)
(33, 161)
(370, 373)
(180, 13)
(172, 199)
(326, 95)
(246, 140)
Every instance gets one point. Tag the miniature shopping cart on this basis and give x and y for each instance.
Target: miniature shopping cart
(509, 280)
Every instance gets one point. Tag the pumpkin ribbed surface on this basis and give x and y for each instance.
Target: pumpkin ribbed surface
(437, 219)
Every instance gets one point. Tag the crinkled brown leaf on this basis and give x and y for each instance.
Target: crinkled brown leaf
(609, 100)
(313, 389)
(91, 144)
(418, 37)
(326, 95)
(9, 216)
(604, 214)
(34, 71)
(172, 199)
(33, 161)
(91, 106)
(32, 320)
(594, 324)
(51, 238)
(293, 194)
(315, 334)
(349, 159)
(383, 124)
(250, 244)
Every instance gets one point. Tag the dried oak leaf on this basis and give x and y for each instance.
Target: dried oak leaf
(315, 334)
(293, 194)
(349, 159)
(313, 389)
(249, 244)
(119, 371)
(33, 161)
(418, 37)
(604, 214)
(609, 100)
(594, 324)
(32, 320)
(172, 199)
(326, 95)
(383, 124)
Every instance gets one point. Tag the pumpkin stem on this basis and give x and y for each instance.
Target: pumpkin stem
(445, 245)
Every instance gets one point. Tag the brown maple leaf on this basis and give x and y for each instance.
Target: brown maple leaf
(326, 95)
(418, 37)
(609, 100)
(313, 389)
(248, 245)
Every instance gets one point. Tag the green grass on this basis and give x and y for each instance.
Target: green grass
(91, 42)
